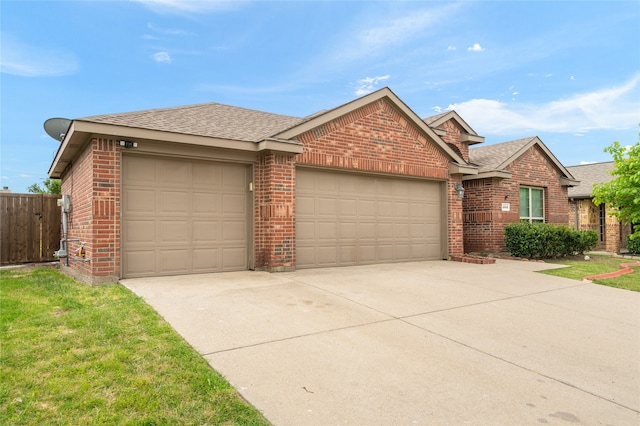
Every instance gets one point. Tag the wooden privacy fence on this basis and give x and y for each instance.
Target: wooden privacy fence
(29, 227)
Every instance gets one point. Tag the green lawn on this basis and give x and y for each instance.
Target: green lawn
(580, 268)
(73, 354)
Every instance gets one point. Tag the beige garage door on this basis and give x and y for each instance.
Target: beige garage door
(183, 217)
(349, 219)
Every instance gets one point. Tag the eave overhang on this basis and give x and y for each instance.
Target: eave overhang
(462, 169)
(498, 174)
(81, 132)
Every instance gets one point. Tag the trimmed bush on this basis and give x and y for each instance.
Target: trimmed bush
(633, 244)
(544, 240)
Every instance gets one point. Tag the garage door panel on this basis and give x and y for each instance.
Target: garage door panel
(347, 207)
(174, 231)
(378, 219)
(206, 203)
(142, 172)
(204, 231)
(366, 208)
(234, 231)
(140, 201)
(233, 204)
(326, 255)
(327, 206)
(234, 258)
(193, 221)
(173, 173)
(204, 260)
(205, 175)
(139, 231)
(141, 262)
(326, 231)
(174, 261)
(348, 230)
(173, 202)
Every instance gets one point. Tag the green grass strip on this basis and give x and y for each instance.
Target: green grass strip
(73, 354)
(597, 264)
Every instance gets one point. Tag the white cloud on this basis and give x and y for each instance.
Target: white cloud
(368, 84)
(188, 6)
(476, 48)
(167, 31)
(611, 108)
(25, 60)
(582, 163)
(373, 36)
(452, 48)
(162, 57)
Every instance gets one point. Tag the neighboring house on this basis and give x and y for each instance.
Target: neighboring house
(584, 215)
(517, 181)
(211, 187)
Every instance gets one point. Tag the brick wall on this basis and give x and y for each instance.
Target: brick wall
(275, 212)
(94, 186)
(484, 220)
(377, 138)
(452, 136)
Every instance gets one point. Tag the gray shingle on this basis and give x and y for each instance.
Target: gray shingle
(588, 174)
(211, 120)
(491, 157)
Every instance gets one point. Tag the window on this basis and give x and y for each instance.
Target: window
(531, 204)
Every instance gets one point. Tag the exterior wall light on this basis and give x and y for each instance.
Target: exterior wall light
(459, 189)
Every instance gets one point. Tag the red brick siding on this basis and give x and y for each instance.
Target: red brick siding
(483, 215)
(94, 186)
(377, 138)
(453, 137)
(275, 212)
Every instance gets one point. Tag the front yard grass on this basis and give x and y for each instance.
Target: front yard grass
(73, 354)
(598, 264)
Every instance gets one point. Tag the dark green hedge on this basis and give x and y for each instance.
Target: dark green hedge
(633, 245)
(544, 240)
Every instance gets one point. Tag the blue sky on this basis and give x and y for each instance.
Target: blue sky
(568, 72)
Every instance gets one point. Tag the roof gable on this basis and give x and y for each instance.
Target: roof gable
(494, 159)
(384, 93)
(436, 121)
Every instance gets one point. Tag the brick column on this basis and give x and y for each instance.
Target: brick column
(275, 212)
(455, 223)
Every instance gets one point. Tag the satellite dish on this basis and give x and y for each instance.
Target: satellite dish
(57, 128)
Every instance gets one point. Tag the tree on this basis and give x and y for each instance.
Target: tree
(623, 192)
(51, 186)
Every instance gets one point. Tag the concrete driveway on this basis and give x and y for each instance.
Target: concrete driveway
(414, 343)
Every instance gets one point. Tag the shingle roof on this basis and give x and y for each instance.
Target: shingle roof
(433, 118)
(494, 157)
(212, 120)
(588, 174)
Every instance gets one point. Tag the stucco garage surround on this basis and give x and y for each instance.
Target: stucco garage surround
(354, 219)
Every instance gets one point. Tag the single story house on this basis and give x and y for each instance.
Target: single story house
(585, 215)
(212, 187)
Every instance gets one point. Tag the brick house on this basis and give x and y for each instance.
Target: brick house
(584, 215)
(211, 187)
(519, 180)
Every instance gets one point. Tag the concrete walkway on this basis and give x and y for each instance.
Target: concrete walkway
(431, 343)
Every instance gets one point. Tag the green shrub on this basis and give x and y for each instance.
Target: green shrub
(633, 244)
(543, 240)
